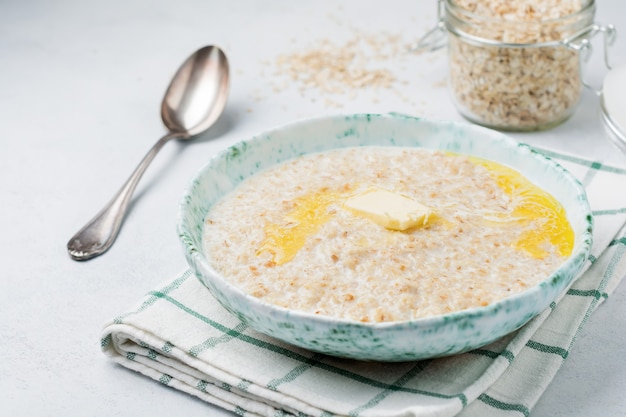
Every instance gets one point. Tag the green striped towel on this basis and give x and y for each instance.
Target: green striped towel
(179, 335)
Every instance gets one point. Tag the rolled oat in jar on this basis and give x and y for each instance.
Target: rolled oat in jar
(511, 63)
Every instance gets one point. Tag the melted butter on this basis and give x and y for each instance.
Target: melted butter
(307, 216)
(533, 204)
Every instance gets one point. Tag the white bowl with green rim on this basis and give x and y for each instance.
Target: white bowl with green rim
(429, 337)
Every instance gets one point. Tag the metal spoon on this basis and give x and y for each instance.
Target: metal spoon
(193, 101)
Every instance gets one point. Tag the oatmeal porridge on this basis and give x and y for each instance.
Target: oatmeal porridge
(376, 234)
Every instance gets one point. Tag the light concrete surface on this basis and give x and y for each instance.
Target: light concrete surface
(80, 87)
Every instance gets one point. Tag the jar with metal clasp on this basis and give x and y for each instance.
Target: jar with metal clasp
(517, 65)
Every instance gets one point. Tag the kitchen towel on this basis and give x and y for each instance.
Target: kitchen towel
(180, 336)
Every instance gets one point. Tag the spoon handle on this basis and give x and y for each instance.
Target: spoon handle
(98, 235)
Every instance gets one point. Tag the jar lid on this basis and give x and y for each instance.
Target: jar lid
(614, 106)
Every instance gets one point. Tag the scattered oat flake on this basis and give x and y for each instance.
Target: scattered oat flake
(365, 61)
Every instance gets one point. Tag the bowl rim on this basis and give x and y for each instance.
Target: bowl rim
(199, 262)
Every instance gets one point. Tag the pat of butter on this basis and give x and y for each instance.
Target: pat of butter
(390, 210)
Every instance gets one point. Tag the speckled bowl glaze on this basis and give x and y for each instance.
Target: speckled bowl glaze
(392, 341)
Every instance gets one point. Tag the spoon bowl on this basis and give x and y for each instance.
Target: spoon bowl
(193, 101)
(197, 94)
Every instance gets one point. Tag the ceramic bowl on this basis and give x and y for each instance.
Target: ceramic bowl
(390, 341)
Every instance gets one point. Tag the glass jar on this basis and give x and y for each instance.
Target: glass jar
(513, 69)
(613, 106)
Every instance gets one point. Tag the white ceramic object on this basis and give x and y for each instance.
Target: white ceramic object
(391, 341)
